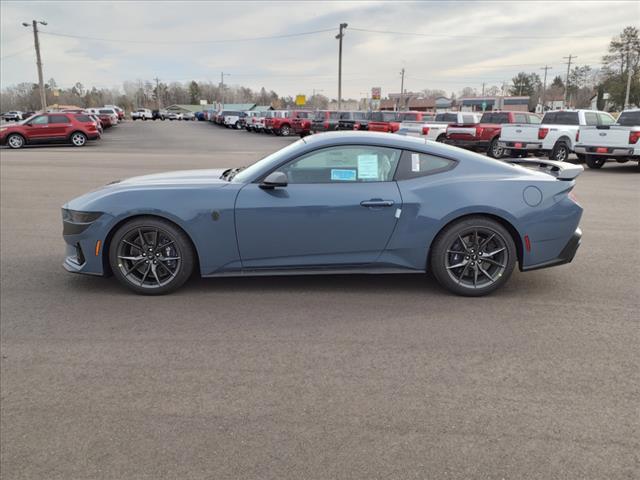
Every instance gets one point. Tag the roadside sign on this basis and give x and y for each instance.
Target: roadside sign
(301, 100)
(203, 102)
(376, 93)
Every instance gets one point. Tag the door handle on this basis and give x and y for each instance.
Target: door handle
(376, 202)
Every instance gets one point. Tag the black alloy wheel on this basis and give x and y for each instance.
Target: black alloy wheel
(473, 257)
(151, 256)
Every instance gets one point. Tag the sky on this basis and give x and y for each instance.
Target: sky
(441, 45)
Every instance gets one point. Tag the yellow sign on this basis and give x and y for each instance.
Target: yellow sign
(301, 100)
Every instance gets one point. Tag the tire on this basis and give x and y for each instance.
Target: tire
(134, 119)
(467, 269)
(495, 150)
(154, 270)
(594, 161)
(285, 130)
(15, 141)
(441, 138)
(236, 125)
(78, 139)
(560, 152)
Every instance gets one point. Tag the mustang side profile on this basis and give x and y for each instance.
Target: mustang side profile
(344, 202)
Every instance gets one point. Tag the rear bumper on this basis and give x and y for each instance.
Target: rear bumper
(565, 256)
(523, 145)
(456, 142)
(611, 151)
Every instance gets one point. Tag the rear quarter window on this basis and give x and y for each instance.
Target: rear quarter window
(416, 164)
(629, 119)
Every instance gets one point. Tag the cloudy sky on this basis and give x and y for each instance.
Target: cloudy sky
(445, 45)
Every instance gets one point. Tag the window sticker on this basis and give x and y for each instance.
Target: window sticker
(368, 166)
(415, 162)
(344, 175)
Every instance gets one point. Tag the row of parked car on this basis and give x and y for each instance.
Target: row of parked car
(148, 114)
(594, 136)
(74, 126)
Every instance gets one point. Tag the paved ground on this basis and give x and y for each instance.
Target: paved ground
(309, 377)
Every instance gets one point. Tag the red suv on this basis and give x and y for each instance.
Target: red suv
(51, 128)
(282, 125)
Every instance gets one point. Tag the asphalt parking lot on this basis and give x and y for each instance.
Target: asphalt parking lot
(323, 377)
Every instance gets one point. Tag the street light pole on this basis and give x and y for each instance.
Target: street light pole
(544, 85)
(339, 37)
(402, 89)
(36, 41)
(222, 75)
(626, 97)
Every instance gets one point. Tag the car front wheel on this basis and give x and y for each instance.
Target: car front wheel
(78, 139)
(473, 256)
(560, 152)
(151, 256)
(15, 141)
(495, 150)
(285, 131)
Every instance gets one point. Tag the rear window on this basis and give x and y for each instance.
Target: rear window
(447, 117)
(58, 119)
(303, 114)
(389, 116)
(498, 118)
(629, 119)
(83, 118)
(408, 117)
(334, 115)
(319, 116)
(561, 118)
(108, 112)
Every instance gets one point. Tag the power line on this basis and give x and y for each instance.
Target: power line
(28, 49)
(479, 36)
(166, 42)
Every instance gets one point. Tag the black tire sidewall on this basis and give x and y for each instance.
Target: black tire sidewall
(557, 148)
(447, 237)
(184, 245)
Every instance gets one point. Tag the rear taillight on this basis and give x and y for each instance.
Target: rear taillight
(356, 126)
(479, 131)
(542, 133)
(326, 125)
(633, 137)
(425, 130)
(573, 197)
(577, 135)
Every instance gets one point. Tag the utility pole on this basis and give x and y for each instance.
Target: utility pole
(566, 85)
(36, 41)
(544, 84)
(339, 37)
(222, 75)
(402, 89)
(626, 96)
(483, 88)
(157, 91)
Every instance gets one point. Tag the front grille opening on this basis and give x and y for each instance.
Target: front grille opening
(79, 254)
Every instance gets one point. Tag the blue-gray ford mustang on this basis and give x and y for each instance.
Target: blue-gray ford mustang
(351, 202)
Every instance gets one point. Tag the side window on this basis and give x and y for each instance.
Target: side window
(591, 118)
(343, 165)
(534, 119)
(41, 120)
(58, 119)
(520, 118)
(413, 165)
(604, 119)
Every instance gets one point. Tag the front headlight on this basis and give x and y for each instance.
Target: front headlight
(74, 216)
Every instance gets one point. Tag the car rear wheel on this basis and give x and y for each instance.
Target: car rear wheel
(441, 138)
(594, 161)
(284, 131)
(560, 152)
(15, 140)
(78, 139)
(151, 256)
(473, 256)
(495, 150)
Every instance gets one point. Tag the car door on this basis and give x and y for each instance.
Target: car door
(338, 209)
(38, 128)
(59, 126)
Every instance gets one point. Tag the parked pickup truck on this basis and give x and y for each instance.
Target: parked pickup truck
(325, 121)
(278, 122)
(620, 142)
(556, 136)
(302, 125)
(142, 114)
(484, 136)
(435, 129)
(354, 121)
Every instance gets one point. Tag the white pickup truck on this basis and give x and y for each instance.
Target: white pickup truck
(142, 114)
(620, 142)
(556, 136)
(436, 129)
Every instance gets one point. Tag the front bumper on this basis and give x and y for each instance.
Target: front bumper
(85, 245)
(565, 256)
(520, 145)
(611, 151)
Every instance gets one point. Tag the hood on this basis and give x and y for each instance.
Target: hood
(181, 177)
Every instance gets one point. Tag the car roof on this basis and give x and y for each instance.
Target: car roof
(347, 137)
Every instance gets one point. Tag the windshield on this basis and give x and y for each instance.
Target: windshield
(261, 166)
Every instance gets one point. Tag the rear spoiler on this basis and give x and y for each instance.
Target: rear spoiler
(561, 170)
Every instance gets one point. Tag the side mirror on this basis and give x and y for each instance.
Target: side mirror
(274, 179)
